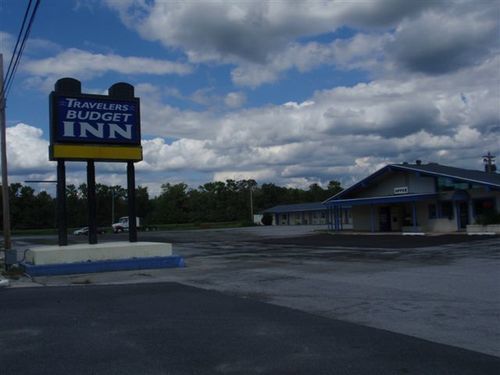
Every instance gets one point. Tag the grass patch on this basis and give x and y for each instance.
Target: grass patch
(81, 282)
(13, 273)
(32, 232)
(181, 226)
(212, 225)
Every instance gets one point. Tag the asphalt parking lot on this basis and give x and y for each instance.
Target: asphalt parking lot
(168, 328)
(445, 289)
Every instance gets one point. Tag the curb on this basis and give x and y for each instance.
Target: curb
(172, 261)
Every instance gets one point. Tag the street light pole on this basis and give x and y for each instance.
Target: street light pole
(3, 150)
(112, 206)
(251, 204)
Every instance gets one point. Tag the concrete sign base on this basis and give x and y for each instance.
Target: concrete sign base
(88, 253)
(110, 256)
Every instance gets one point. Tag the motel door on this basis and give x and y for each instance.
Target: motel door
(463, 214)
(384, 219)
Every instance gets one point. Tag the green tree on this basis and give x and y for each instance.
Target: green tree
(171, 206)
(143, 203)
(76, 213)
(334, 187)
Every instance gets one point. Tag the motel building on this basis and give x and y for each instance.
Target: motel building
(409, 198)
(299, 214)
(415, 198)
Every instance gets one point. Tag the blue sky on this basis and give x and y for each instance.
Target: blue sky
(266, 90)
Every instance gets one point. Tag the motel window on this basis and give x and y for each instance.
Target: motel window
(447, 210)
(432, 211)
(448, 184)
(484, 206)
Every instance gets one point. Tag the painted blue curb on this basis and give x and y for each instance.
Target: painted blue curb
(103, 266)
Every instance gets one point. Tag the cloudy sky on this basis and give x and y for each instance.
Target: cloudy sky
(290, 92)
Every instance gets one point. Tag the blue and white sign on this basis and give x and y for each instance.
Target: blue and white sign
(95, 120)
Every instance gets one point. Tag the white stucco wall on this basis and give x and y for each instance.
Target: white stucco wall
(440, 225)
(386, 184)
(361, 219)
(421, 184)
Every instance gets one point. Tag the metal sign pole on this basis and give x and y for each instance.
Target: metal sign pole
(91, 202)
(132, 221)
(61, 204)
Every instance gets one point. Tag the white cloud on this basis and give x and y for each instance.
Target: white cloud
(262, 38)
(434, 92)
(181, 154)
(450, 41)
(342, 133)
(362, 51)
(84, 64)
(6, 45)
(235, 99)
(27, 150)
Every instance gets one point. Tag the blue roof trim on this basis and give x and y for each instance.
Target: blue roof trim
(381, 200)
(361, 183)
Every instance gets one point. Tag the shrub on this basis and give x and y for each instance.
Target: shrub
(267, 219)
(489, 217)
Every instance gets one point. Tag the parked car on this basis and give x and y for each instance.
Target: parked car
(82, 231)
(85, 231)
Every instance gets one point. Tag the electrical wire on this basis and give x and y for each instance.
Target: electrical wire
(17, 52)
(18, 38)
(10, 79)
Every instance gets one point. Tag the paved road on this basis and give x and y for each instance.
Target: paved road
(445, 293)
(169, 328)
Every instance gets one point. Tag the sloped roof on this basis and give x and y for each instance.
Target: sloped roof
(470, 175)
(431, 169)
(284, 208)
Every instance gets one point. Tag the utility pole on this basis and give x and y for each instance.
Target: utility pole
(3, 150)
(489, 163)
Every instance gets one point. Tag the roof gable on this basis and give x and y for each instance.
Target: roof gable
(361, 184)
(431, 169)
(469, 175)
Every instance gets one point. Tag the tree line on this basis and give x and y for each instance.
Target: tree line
(219, 201)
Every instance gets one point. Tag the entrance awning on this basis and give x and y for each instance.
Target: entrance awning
(382, 200)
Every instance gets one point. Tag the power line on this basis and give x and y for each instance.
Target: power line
(10, 78)
(18, 38)
(17, 52)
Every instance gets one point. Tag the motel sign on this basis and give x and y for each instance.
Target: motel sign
(95, 127)
(90, 128)
(96, 121)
